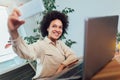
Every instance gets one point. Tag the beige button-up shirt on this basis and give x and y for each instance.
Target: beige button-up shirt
(47, 55)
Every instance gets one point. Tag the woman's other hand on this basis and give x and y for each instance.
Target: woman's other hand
(60, 68)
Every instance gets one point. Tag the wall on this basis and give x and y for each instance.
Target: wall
(84, 9)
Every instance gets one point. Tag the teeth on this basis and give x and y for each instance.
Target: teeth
(56, 34)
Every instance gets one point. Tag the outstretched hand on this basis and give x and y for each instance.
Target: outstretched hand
(14, 23)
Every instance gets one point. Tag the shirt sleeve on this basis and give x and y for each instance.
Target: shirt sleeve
(24, 50)
(69, 54)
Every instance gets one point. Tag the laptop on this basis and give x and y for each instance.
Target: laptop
(99, 48)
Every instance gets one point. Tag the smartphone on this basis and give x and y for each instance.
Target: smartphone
(31, 8)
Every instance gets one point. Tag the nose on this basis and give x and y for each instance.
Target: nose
(58, 29)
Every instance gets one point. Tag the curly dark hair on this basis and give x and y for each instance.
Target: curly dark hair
(49, 17)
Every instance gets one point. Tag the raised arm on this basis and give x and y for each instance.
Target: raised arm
(19, 45)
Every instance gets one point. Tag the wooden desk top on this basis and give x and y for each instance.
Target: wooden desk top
(110, 72)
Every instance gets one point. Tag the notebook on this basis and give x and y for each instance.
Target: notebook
(99, 48)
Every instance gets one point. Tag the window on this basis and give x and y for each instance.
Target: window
(5, 53)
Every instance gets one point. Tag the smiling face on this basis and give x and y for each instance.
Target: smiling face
(55, 30)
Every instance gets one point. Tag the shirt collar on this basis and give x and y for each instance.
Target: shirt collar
(49, 41)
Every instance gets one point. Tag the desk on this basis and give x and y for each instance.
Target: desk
(110, 72)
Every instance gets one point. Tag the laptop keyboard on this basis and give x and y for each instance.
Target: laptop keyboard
(73, 73)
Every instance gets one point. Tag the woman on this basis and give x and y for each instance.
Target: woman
(50, 53)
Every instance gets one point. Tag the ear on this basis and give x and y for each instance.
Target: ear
(48, 29)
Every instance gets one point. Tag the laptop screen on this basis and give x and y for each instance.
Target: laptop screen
(99, 43)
